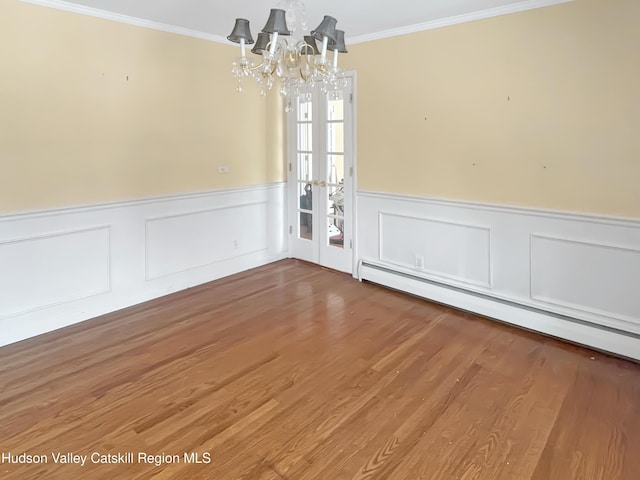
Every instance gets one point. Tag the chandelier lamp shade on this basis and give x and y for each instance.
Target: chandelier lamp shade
(287, 53)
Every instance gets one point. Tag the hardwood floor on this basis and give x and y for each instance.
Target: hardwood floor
(293, 372)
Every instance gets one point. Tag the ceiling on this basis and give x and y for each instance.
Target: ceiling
(360, 19)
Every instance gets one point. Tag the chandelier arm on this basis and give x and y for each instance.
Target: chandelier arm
(257, 67)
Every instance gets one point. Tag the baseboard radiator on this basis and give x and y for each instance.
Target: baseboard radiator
(599, 337)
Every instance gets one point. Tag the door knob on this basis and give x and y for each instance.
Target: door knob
(323, 183)
(315, 182)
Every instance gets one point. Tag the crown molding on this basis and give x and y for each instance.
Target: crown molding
(456, 19)
(117, 17)
(418, 27)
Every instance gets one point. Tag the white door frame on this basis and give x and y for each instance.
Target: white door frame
(293, 195)
(355, 263)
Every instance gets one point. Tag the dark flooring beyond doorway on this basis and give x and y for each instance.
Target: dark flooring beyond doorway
(294, 372)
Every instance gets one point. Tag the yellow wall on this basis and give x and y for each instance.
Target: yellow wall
(93, 110)
(539, 108)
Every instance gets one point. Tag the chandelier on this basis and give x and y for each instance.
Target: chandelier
(289, 54)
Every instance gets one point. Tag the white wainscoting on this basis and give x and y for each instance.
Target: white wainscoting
(569, 275)
(54, 268)
(574, 274)
(177, 243)
(455, 251)
(63, 266)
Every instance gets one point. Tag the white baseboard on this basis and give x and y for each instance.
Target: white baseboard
(549, 324)
(64, 266)
(529, 267)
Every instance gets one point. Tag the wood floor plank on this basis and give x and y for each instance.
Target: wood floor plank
(588, 439)
(379, 438)
(294, 372)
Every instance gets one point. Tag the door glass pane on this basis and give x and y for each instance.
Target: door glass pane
(305, 195)
(305, 216)
(335, 137)
(334, 232)
(335, 105)
(305, 167)
(335, 169)
(336, 200)
(305, 137)
(304, 229)
(305, 107)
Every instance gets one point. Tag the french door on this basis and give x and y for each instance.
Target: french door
(320, 140)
